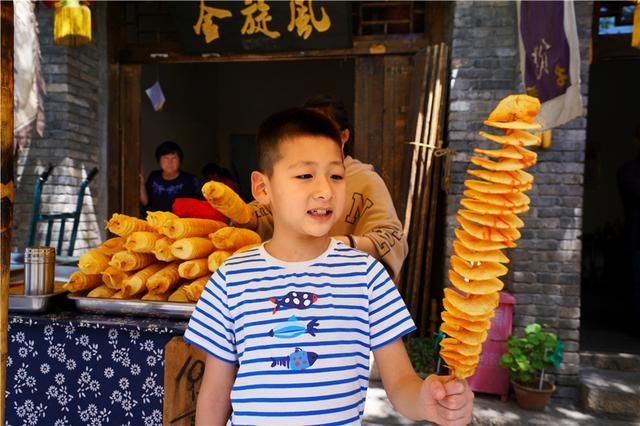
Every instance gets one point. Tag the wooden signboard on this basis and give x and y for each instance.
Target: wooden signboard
(261, 26)
(183, 371)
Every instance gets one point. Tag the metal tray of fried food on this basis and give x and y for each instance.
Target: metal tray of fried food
(24, 303)
(142, 308)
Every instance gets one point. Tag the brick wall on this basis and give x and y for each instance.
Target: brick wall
(545, 268)
(74, 140)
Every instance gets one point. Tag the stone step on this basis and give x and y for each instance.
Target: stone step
(610, 361)
(612, 393)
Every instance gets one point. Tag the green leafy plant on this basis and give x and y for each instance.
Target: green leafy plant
(421, 354)
(528, 357)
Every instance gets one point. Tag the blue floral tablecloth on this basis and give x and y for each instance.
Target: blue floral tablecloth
(75, 369)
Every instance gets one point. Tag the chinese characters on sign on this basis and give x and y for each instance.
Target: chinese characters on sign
(546, 48)
(550, 59)
(205, 21)
(257, 19)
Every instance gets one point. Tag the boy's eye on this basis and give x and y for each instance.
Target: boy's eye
(305, 176)
(337, 177)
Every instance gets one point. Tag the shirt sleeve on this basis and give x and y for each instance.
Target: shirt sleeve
(381, 225)
(211, 324)
(389, 318)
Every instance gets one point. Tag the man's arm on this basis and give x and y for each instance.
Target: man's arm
(144, 197)
(214, 400)
(439, 399)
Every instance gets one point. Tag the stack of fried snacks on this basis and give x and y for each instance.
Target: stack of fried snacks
(158, 219)
(112, 277)
(195, 268)
(227, 202)
(142, 241)
(165, 279)
(130, 261)
(152, 259)
(216, 258)
(184, 228)
(194, 289)
(79, 281)
(489, 223)
(136, 283)
(93, 262)
(123, 225)
(162, 249)
(101, 291)
(231, 239)
(112, 245)
(191, 248)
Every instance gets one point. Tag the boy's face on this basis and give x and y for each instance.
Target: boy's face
(307, 190)
(169, 163)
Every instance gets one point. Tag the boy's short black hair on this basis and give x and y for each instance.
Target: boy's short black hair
(334, 108)
(168, 147)
(288, 124)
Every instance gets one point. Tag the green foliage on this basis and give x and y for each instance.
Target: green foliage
(528, 356)
(421, 354)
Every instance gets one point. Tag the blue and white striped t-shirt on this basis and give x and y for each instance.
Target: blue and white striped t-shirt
(301, 333)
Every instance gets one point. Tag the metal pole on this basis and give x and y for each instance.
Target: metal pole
(6, 184)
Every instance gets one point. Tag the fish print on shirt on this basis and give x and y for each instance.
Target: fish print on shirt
(294, 300)
(298, 360)
(294, 328)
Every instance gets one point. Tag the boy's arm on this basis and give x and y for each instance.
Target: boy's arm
(214, 400)
(439, 399)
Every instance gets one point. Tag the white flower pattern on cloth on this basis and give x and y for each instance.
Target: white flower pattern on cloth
(97, 373)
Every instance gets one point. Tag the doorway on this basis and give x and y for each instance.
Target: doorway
(213, 110)
(609, 320)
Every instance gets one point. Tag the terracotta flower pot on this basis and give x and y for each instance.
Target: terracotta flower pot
(533, 398)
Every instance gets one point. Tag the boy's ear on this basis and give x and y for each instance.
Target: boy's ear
(259, 184)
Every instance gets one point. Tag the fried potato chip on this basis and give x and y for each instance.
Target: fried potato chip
(509, 151)
(527, 154)
(518, 125)
(459, 314)
(514, 137)
(459, 358)
(516, 107)
(506, 164)
(463, 335)
(495, 221)
(477, 270)
(486, 208)
(514, 177)
(473, 304)
(477, 244)
(505, 200)
(474, 286)
(488, 233)
(479, 256)
(493, 188)
(477, 326)
(451, 344)
(461, 372)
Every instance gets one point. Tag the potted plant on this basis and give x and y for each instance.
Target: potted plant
(527, 358)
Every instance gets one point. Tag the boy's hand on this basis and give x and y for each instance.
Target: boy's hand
(447, 401)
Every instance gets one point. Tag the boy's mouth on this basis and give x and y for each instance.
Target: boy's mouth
(319, 212)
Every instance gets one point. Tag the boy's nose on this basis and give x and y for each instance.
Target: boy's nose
(323, 189)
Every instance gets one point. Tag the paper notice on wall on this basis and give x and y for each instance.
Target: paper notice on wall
(156, 96)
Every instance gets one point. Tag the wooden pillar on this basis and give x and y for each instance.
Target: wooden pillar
(6, 184)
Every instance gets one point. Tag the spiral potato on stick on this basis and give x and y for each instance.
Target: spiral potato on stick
(488, 224)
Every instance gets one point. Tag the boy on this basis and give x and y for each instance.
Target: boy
(288, 325)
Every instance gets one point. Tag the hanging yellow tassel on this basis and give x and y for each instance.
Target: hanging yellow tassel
(635, 36)
(71, 23)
